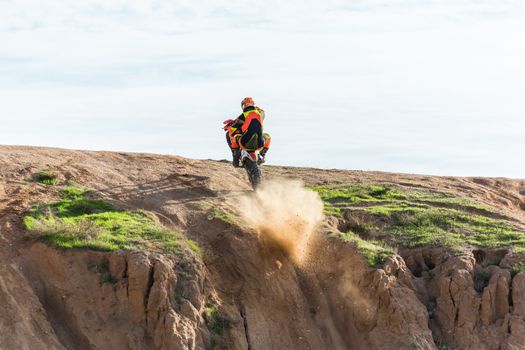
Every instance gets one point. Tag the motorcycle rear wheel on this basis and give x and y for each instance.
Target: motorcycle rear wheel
(254, 173)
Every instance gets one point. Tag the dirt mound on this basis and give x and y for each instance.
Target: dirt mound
(272, 274)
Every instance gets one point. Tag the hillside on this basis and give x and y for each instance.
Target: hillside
(103, 250)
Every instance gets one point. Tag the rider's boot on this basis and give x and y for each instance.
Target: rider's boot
(236, 153)
(262, 155)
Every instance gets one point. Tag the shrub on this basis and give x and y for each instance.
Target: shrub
(442, 345)
(105, 274)
(215, 322)
(481, 280)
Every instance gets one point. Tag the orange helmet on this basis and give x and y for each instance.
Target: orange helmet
(247, 102)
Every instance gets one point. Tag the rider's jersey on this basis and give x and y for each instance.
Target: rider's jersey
(244, 118)
(250, 124)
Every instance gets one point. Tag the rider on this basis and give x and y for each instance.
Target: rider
(246, 132)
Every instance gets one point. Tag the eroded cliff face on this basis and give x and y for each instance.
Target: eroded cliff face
(132, 300)
(136, 300)
(370, 308)
(475, 301)
(139, 300)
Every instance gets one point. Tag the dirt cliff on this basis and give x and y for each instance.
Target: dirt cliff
(291, 275)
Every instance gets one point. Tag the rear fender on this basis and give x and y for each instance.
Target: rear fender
(250, 155)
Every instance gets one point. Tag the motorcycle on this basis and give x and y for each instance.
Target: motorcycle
(250, 161)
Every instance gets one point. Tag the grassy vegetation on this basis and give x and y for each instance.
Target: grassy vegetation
(382, 195)
(517, 268)
(519, 249)
(220, 214)
(46, 177)
(195, 247)
(74, 193)
(77, 221)
(338, 199)
(414, 218)
(375, 252)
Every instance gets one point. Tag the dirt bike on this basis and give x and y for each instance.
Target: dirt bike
(250, 161)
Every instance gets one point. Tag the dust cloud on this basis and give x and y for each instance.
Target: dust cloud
(284, 213)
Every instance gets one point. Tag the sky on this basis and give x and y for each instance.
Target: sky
(414, 86)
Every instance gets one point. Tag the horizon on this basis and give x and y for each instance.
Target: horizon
(426, 87)
(276, 165)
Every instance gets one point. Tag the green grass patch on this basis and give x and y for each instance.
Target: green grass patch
(375, 252)
(414, 218)
(74, 193)
(220, 214)
(335, 198)
(517, 268)
(46, 177)
(416, 226)
(372, 195)
(194, 246)
(459, 202)
(76, 221)
(359, 193)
